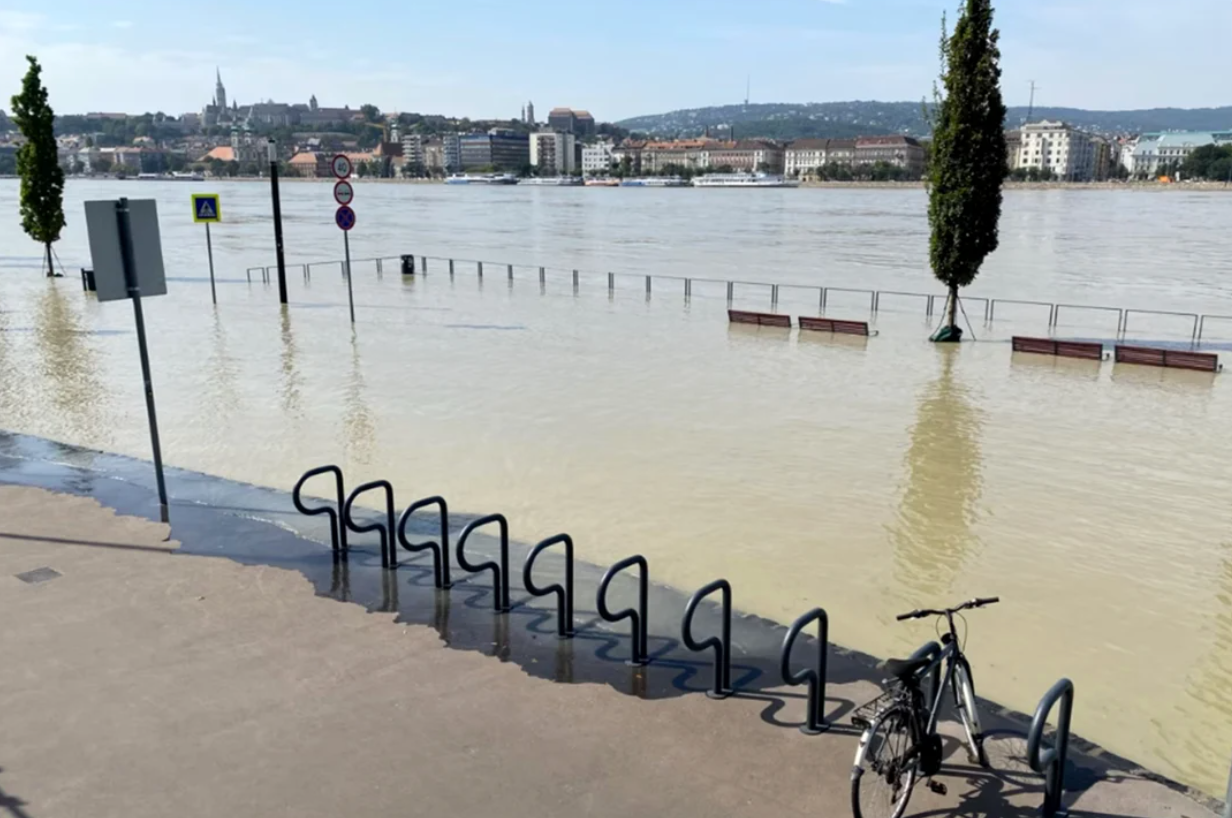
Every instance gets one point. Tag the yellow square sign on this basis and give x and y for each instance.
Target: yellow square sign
(206, 207)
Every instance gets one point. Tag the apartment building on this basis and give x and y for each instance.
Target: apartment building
(1057, 147)
(553, 153)
(597, 158)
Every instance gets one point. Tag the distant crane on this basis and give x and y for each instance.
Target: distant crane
(748, 84)
(1031, 105)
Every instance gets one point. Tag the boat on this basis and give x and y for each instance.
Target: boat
(654, 181)
(482, 179)
(551, 181)
(602, 182)
(743, 180)
(186, 176)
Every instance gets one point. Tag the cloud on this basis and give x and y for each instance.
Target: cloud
(19, 22)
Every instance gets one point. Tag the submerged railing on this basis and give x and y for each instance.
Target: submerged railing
(769, 291)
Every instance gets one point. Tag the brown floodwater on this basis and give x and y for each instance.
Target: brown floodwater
(866, 476)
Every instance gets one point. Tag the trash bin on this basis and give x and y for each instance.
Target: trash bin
(87, 280)
(408, 265)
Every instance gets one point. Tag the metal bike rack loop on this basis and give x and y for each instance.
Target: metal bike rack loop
(815, 722)
(386, 529)
(500, 572)
(440, 550)
(1051, 762)
(720, 644)
(337, 533)
(640, 656)
(564, 594)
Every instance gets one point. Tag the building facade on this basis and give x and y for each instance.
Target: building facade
(567, 120)
(597, 158)
(553, 153)
(498, 148)
(451, 151)
(900, 151)
(1057, 147)
(628, 155)
(1155, 153)
(748, 155)
(804, 156)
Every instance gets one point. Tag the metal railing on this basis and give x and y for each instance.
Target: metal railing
(440, 550)
(721, 645)
(1051, 762)
(771, 290)
(564, 594)
(639, 656)
(500, 572)
(389, 558)
(815, 721)
(337, 533)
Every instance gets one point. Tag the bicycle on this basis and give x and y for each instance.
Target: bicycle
(900, 742)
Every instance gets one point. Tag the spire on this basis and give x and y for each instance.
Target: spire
(218, 75)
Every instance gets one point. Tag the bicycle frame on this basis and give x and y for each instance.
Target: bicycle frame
(949, 655)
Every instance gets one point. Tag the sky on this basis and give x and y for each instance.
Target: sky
(485, 58)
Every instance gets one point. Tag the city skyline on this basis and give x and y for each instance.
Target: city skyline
(487, 59)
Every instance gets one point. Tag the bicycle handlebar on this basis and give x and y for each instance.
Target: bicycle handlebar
(975, 603)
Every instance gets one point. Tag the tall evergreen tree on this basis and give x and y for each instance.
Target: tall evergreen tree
(38, 165)
(968, 160)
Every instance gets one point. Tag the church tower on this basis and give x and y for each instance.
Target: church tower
(220, 93)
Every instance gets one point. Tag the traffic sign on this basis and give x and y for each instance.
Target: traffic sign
(344, 194)
(342, 166)
(206, 207)
(345, 217)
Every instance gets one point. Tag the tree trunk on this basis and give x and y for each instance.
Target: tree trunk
(51, 272)
(952, 318)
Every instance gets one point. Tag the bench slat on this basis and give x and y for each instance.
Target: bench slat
(764, 319)
(1065, 349)
(834, 325)
(1175, 359)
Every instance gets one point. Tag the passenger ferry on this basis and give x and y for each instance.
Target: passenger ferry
(654, 181)
(602, 181)
(743, 180)
(552, 181)
(482, 179)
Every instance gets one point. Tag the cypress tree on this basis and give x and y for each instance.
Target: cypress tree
(38, 165)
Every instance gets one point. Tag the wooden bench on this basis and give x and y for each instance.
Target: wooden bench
(1173, 358)
(1064, 349)
(761, 319)
(833, 325)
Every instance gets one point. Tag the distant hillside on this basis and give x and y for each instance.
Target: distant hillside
(843, 119)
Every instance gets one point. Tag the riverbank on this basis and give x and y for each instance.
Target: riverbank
(251, 690)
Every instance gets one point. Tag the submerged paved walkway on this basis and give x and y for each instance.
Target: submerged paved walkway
(140, 682)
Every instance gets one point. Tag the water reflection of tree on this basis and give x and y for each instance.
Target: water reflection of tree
(69, 366)
(221, 385)
(357, 418)
(932, 535)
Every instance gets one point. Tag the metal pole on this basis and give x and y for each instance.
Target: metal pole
(346, 244)
(134, 293)
(209, 249)
(282, 266)
(1227, 800)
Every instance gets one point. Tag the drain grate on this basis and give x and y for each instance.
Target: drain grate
(38, 575)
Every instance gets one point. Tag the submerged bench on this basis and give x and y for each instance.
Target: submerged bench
(1064, 349)
(761, 319)
(833, 325)
(1173, 358)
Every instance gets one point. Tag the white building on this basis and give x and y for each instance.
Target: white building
(804, 156)
(554, 154)
(413, 149)
(597, 158)
(1060, 148)
(451, 149)
(1157, 151)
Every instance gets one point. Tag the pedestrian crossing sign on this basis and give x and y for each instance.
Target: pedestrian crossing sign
(206, 207)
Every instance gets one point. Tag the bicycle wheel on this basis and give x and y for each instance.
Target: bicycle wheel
(964, 703)
(885, 767)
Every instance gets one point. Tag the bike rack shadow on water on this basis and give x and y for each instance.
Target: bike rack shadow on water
(639, 642)
(721, 645)
(564, 594)
(440, 550)
(389, 558)
(500, 572)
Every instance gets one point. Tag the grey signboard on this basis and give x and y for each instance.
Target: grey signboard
(104, 233)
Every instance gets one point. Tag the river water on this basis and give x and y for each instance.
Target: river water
(867, 477)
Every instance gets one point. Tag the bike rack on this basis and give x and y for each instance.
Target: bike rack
(564, 595)
(638, 616)
(440, 551)
(721, 644)
(1051, 762)
(500, 572)
(337, 534)
(389, 557)
(815, 723)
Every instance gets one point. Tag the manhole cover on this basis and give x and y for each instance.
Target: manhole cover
(38, 575)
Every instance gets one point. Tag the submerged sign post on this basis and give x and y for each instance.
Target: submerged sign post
(127, 253)
(344, 217)
(208, 209)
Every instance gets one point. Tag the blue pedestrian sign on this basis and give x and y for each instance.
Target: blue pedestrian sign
(206, 207)
(345, 217)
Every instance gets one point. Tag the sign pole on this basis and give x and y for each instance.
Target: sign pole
(134, 293)
(346, 244)
(209, 248)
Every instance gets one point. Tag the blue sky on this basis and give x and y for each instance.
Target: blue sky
(484, 58)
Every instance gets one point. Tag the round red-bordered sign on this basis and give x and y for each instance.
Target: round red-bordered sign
(345, 217)
(344, 194)
(341, 166)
